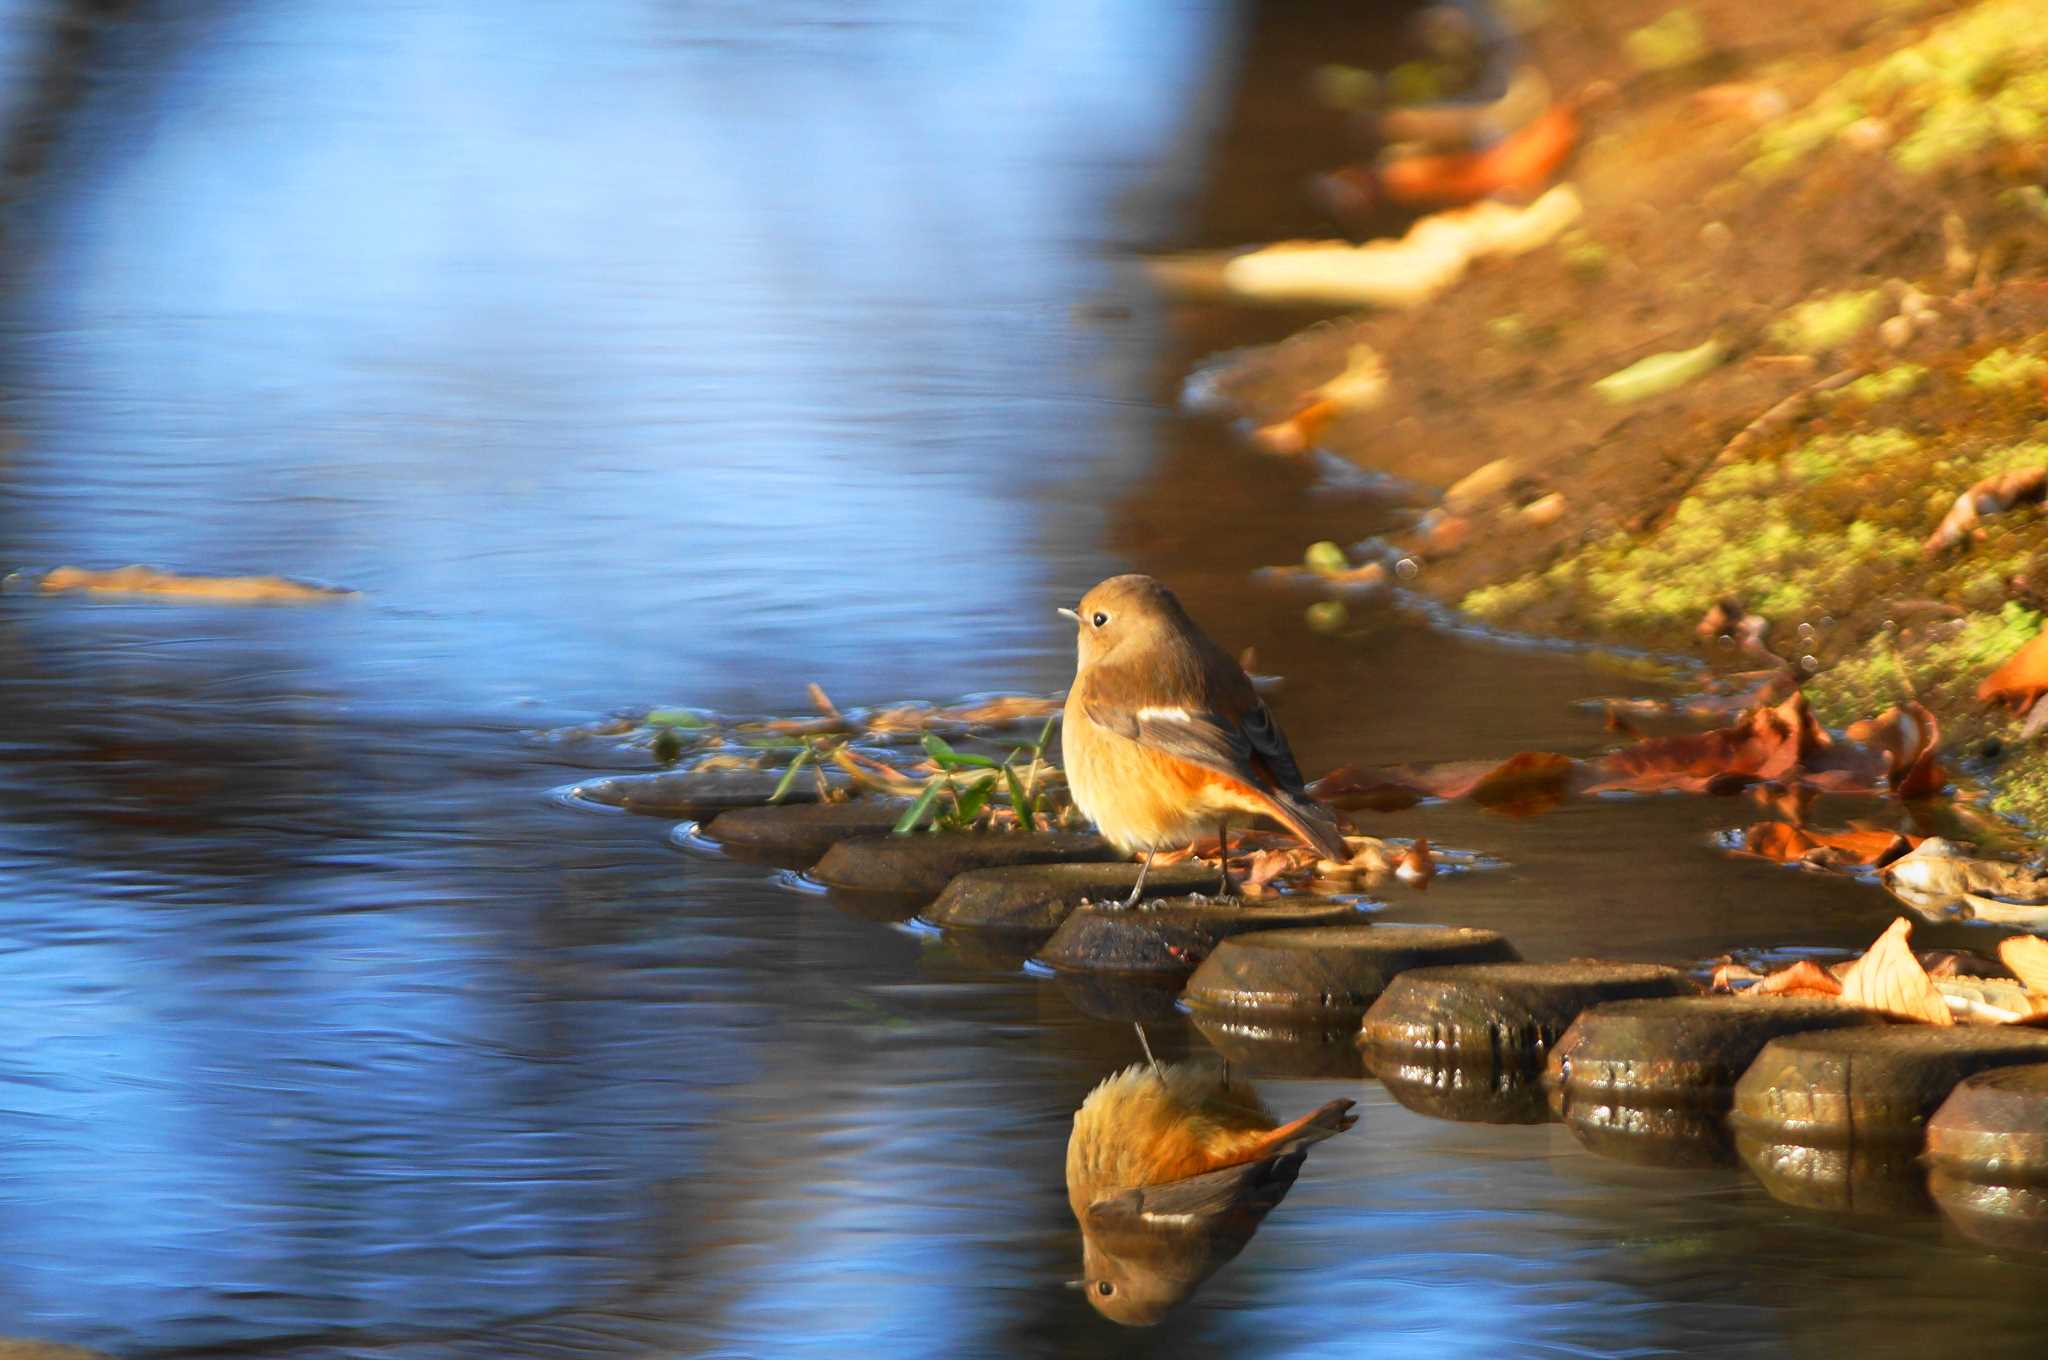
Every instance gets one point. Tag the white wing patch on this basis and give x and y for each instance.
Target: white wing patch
(1155, 714)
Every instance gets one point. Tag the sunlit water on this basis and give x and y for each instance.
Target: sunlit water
(624, 353)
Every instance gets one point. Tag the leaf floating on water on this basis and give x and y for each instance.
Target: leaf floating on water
(169, 585)
(1909, 736)
(1940, 879)
(1855, 848)
(1888, 979)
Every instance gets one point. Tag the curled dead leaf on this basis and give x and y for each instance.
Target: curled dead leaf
(1991, 496)
(2027, 956)
(1416, 866)
(1909, 736)
(1889, 980)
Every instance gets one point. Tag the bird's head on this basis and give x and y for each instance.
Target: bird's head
(1125, 614)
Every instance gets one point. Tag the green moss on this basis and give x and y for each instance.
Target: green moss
(1828, 322)
(2007, 367)
(1888, 385)
(2022, 786)
(1976, 82)
(1886, 669)
(1497, 604)
(1676, 39)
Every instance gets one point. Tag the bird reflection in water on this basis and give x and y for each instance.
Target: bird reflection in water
(1170, 1170)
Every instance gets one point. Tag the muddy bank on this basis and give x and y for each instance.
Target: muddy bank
(1801, 314)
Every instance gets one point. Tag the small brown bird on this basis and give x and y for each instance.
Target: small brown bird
(1169, 1172)
(1164, 736)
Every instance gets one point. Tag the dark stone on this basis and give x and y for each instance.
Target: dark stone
(1173, 935)
(913, 870)
(796, 836)
(1028, 902)
(1988, 1149)
(1469, 1042)
(1651, 1080)
(693, 793)
(1329, 977)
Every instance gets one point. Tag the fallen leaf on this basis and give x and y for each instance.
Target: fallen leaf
(1416, 866)
(2022, 680)
(1804, 978)
(2027, 956)
(1728, 974)
(1991, 496)
(1940, 879)
(148, 581)
(1525, 159)
(1888, 979)
(1909, 736)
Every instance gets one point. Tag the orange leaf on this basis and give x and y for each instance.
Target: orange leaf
(1417, 866)
(2021, 680)
(2027, 956)
(1909, 737)
(1532, 781)
(1524, 160)
(1888, 979)
(1804, 978)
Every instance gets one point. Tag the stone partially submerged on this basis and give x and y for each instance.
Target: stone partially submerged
(1837, 1120)
(693, 794)
(911, 871)
(1026, 903)
(1470, 1042)
(797, 835)
(1987, 1147)
(1327, 976)
(1171, 936)
(1651, 1081)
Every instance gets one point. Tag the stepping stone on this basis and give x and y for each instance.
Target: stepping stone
(1651, 1080)
(913, 870)
(797, 835)
(1326, 976)
(1282, 1048)
(694, 794)
(1469, 1042)
(1837, 1120)
(1028, 902)
(1173, 935)
(1988, 1147)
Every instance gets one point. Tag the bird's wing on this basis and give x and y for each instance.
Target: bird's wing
(1253, 751)
(1250, 1187)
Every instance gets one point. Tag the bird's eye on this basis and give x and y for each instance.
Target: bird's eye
(1099, 619)
(1105, 1288)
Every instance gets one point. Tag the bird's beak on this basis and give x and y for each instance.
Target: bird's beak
(1070, 614)
(1077, 1284)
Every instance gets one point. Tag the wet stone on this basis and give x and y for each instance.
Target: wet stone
(1652, 1080)
(1173, 935)
(1330, 976)
(1028, 902)
(1469, 1042)
(1281, 1048)
(1836, 1120)
(691, 793)
(1142, 997)
(796, 836)
(913, 870)
(1988, 1149)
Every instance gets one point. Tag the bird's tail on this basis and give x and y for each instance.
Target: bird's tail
(1325, 1121)
(1309, 820)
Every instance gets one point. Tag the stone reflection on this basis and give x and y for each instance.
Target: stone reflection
(1170, 1170)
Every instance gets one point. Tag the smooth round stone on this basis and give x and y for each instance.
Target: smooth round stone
(797, 835)
(1174, 935)
(1988, 1149)
(1030, 901)
(1329, 975)
(1469, 1042)
(1870, 1085)
(1503, 1016)
(1836, 1120)
(1282, 1048)
(1651, 1080)
(915, 869)
(692, 793)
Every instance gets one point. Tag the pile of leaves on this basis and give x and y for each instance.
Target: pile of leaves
(1889, 979)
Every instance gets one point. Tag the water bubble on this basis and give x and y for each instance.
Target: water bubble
(1809, 662)
(1891, 625)
(1406, 568)
(1827, 620)
(1806, 632)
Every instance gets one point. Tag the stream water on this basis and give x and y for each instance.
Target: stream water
(625, 353)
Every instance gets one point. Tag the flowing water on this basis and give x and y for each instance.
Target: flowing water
(626, 353)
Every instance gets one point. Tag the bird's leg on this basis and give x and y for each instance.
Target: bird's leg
(1145, 1044)
(1223, 853)
(1139, 887)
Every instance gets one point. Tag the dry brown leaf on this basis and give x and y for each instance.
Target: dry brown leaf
(1988, 497)
(1804, 978)
(1417, 866)
(1889, 980)
(1909, 736)
(2027, 956)
(2022, 680)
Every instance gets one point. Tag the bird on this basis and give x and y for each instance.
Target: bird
(1170, 1169)
(1164, 737)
